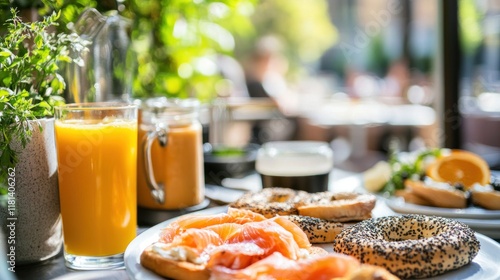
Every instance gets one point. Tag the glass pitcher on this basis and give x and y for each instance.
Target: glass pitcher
(170, 156)
(106, 74)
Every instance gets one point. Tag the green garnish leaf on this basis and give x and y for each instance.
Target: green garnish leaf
(406, 167)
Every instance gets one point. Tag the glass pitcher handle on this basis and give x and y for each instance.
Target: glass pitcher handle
(157, 190)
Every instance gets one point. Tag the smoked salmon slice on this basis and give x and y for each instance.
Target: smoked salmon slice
(198, 239)
(245, 214)
(270, 236)
(233, 215)
(267, 235)
(298, 234)
(225, 231)
(276, 266)
(236, 255)
(237, 245)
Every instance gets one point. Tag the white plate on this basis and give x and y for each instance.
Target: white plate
(483, 224)
(490, 228)
(483, 266)
(398, 205)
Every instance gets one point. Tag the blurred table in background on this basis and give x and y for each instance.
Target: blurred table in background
(360, 131)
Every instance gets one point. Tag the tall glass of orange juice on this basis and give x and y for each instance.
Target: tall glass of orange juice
(97, 161)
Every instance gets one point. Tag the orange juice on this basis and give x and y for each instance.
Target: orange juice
(97, 185)
(178, 166)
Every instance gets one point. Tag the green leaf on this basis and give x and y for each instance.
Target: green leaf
(58, 84)
(64, 58)
(6, 81)
(5, 92)
(5, 52)
(39, 41)
(44, 104)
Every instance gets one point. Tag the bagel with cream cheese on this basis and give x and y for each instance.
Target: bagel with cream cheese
(410, 246)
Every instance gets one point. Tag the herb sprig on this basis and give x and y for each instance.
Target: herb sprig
(30, 85)
(411, 166)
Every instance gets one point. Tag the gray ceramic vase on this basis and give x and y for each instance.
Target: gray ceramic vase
(37, 219)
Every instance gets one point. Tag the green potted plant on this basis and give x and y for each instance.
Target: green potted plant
(30, 87)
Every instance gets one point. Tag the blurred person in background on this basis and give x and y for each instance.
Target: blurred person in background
(266, 74)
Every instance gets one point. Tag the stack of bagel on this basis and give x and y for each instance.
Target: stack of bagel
(322, 216)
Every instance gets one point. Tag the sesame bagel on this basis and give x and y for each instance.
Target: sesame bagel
(410, 246)
(271, 202)
(338, 207)
(318, 230)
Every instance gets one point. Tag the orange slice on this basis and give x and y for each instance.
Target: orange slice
(461, 167)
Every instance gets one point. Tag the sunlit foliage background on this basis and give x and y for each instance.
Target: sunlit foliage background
(175, 43)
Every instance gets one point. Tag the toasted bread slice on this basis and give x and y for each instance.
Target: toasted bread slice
(411, 197)
(438, 197)
(488, 200)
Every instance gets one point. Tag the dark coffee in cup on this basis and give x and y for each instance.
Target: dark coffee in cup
(311, 183)
(299, 165)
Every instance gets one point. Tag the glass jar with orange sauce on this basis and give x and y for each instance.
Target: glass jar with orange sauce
(170, 155)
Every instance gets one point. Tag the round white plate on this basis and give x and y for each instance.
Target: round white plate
(483, 224)
(399, 206)
(483, 266)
